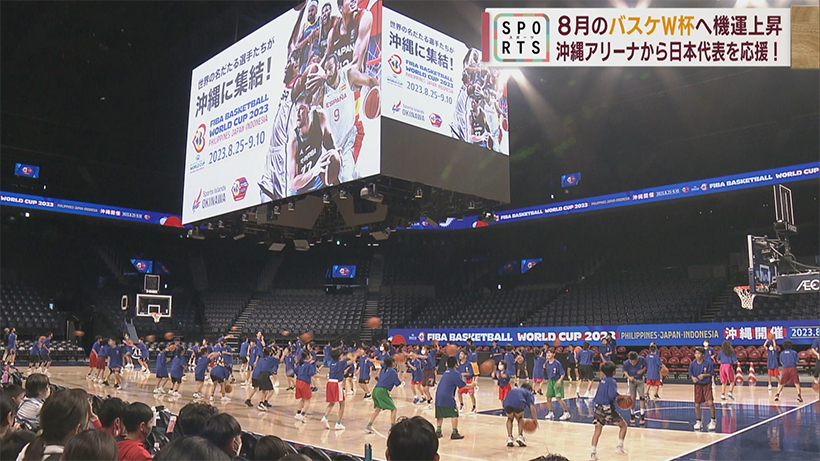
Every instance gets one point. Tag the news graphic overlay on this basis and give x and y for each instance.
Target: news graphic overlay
(287, 110)
(631, 37)
(437, 83)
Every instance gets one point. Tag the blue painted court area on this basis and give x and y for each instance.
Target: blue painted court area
(794, 435)
(669, 414)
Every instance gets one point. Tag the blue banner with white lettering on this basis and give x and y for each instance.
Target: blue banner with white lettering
(635, 197)
(29, 171)
(670, 334)
(569, 180)
(37, 202)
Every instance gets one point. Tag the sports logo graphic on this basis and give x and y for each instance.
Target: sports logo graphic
(140, 265)
(704, 187)
(571, 179)
(27, 170)
(239, 189)
(397, 106)
(435, 120)
(421, 336)
(395, 63)
(530, 264)
(685, 189)
(199, 138)
(197, 201)
(344, 271)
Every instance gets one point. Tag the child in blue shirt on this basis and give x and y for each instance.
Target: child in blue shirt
(365, 366)
(416, 376)
(700, 372)
(606, 410)
(727, 358)
(788, 358)
(554, 372)
(162, 370)
(653, 371)
(219, 375)
(635, 371)
(585, 356)
(515, 402)
(772, 365)
(177, 370)
(466, 370)
(538, 370)
(388, 379)
(451, 380)
(305, 371)
(335, 392)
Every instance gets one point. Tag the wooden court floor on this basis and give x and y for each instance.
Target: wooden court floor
(668, 433)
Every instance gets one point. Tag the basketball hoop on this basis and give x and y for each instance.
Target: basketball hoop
(156, 316)
(747, 299)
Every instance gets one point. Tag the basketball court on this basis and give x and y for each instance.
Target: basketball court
(752, 427)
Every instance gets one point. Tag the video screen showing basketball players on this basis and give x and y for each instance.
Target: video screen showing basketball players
(333, 71)
(480, 114)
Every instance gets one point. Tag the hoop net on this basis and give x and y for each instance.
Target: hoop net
(156, 316)
(747, 299)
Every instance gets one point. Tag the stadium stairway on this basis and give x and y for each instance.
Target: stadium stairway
(718, 303)
(238, 328)
(371, 309)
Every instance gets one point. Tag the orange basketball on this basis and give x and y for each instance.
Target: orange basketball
(285, 333)
(234, 328)
(400, 357)
(169, 335)
(770, 336)
(42, 338)
(79, 333)
(451, 350)
(172, 348)
(625, 402)
(578, 349)
(504, 124)
(228, 388)
(487, 366)
(150, 338)
(372, 103)
(556, 343)
(530, 426)
(664, 371)
(306, 337)
(374, 322)
(816, 387)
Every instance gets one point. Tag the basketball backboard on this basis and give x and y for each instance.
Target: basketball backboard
(762, 266)
(153, 304)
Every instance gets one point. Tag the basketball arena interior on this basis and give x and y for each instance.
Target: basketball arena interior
(350, 188)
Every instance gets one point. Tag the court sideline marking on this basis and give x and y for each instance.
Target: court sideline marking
(745, 429)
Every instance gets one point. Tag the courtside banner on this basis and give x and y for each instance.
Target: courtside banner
(37, 202)
(670, 334)
(631, 37)
(693, 188)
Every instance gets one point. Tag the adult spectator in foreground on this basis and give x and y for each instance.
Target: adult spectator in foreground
(412, 439)
(62, 417)
(224, 431)
(191, 449)
(139, 420)
(192, 418)
(91, 444)
(271, 448)
(110, 413)
(38, 389)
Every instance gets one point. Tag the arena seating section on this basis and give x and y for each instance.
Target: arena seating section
(804, 306)
(629, 297)
(222, 308)
(309, 310)
(23, 307)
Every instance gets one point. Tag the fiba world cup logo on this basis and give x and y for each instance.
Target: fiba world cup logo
(199, 138)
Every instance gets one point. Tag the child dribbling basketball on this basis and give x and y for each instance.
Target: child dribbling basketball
(606, 411)
(514, 403)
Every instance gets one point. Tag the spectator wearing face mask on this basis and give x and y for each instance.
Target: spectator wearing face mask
(139, 420)
(224, 431)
